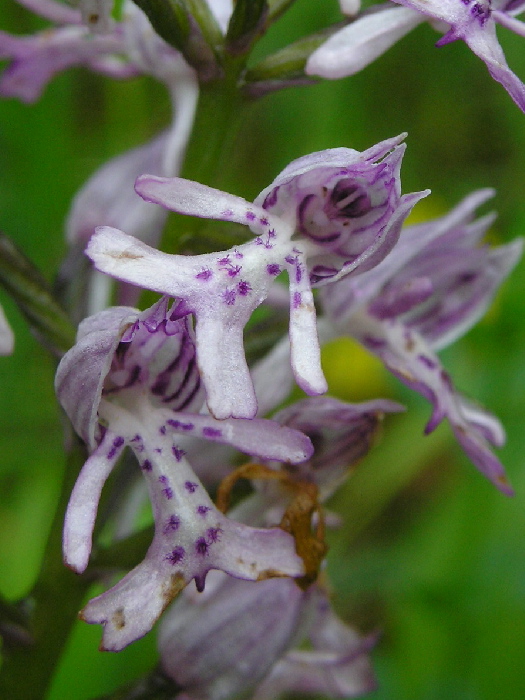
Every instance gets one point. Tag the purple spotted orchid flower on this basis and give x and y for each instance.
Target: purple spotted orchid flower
(434, 287)
(473, 21)
(327, 215)
(202, 639)
(131, 381)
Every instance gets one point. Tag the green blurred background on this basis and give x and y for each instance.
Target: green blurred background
(430, 553)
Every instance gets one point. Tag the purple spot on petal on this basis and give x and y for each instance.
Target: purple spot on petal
(201, 547)
(200, 582)
(204, 275)
(176, 555)
(172, 524)
(117, 444)
(445, 377)
(374, 343)
(214, 534)
(179, 424)
(290, 259)
(244, 288)
(202, 510)
(168, 491)
(178, 453)
(271, 199)
(224, 261)
(296, 300)
(238, 254)
(227, 213)
(427, 361)
(229, 297)
(264, 221)
(212, 432)
(190, 486)
(298, 273)
(250, 216)
(273, 269)
(146, 466)
(162, 430)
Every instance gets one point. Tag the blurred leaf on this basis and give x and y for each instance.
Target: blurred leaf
(247, 22)
(31, 292)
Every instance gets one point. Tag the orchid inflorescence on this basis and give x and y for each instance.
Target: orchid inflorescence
(171, 393)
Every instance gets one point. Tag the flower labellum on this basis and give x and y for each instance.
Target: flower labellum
(132, 381)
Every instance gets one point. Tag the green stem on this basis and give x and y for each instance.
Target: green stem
(220, 112)
(55, 600)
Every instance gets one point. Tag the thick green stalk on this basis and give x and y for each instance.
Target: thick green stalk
(55, 601)
(220, 112)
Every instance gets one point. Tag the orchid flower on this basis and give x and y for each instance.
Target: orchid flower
(433, 287)
(131, 381)
(474, 21)
(202, 639)
(327, 215)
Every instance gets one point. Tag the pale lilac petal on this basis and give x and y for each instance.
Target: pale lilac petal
(463, 305)
(222, 11)
(83, 503)
(356, 46)
(454, 12)
(484, 43)
(263, 438)
(343, 433)
(476, 25)
(412, 240)
(305, 353)
(127, 259)
(489, 425)
(409, 358)
(506, 20)
(350, 7)
(436, 280)
(202, 640)
(223, 366)
(272, 377)
(36, 59)
(7, 338)
(96, 14)
(81, 373)
(330, 158)
(338, 666)
(194, 199)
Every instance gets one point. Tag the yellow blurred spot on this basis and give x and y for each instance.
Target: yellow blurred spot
(431, 207)
(352, 373)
